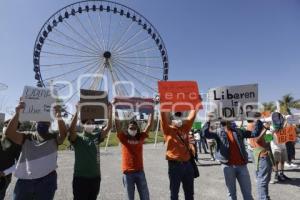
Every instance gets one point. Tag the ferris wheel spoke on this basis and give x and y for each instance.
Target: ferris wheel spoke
(142, 73)
(68, 55)
(88, 33)
(118, 78)
(81, 36)
(99, 77)
(96, 33)
(75, 79)
(69, 47)
(133, 77)
(141, 65)
(126, 79)
(140, 57)
(101, 28)
(113, 33)
(81, 86)
(123, 46)
(108, 36)
(122, 36)
(125, 52)
(67, 63)
(138, 43)
(68, 72)
(75, 41)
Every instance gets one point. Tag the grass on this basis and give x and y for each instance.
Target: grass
(114, 141)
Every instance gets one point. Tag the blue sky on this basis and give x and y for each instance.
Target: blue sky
(215, 42)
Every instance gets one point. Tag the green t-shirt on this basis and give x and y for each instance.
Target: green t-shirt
(87, 155)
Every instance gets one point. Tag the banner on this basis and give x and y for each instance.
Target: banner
(93, 104)
(234, 102)
(137, 104)
(293, 119)
(179, 96)
(38, 102)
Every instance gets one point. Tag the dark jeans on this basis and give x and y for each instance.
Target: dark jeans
(202, 143)
(263, 177)
(138, 179)
(86, 188)
(39, 189)
(290, 148)
(4, 183)
(181, 172)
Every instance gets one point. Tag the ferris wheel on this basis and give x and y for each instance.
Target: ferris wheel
(111, 42)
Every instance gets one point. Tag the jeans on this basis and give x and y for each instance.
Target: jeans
(241, 174)
(86, 188)
(263, 177)
(181, 172)
(5, 181)
(202, 142)
(138, 179)
(39, 189)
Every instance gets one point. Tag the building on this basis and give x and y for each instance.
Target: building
(2, 118)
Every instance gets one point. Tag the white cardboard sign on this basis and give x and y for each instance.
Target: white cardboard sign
(234, 102)
(38, 104)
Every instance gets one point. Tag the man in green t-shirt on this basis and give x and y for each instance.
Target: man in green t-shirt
(87, 175)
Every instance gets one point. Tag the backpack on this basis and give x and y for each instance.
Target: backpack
(277, 120)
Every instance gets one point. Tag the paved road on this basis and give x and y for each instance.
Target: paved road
(209, 186)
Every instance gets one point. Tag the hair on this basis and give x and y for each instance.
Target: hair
(178, 114)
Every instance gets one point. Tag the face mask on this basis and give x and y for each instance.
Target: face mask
(177, 122)
(89, 128)
(132, 132)
(42, 128)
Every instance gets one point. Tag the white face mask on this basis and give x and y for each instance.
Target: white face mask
(177, 122)
(89, 128)
(132, 132)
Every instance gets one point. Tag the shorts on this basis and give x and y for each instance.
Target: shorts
(280, 155)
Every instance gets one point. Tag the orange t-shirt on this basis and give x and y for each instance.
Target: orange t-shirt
(176, 150)
(291, 132)
(235, 157)
(132, 152)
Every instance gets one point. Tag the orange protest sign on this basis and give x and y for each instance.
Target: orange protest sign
(286, 134)
(179, 96)
(291, 133)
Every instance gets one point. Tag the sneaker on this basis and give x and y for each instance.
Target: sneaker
(275, 180)
(212, 159)
(285, 177)
(292, 165)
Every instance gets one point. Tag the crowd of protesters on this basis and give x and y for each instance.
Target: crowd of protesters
(32, 157)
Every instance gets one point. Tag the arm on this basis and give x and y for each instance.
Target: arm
(259, 131)
(192, 116)
(164, 121)
(11, 131)
(149, 124)
(72, 129)
(117, 122)
(61, 126)
(107, 128)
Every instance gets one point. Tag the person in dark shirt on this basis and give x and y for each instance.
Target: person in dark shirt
(9, 153)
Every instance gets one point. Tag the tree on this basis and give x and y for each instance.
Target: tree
(287, 103)
(269, 106)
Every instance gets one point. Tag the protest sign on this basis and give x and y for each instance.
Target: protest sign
(287, 134)
(38, 103)
(293, 119)
(137, 104)
(179, 96)
(234, 102)
(93, 104)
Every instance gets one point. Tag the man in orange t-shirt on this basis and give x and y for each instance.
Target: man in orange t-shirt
(132, 141)
(176, 134)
